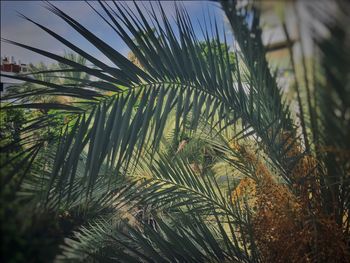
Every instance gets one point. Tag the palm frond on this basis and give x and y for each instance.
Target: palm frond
(185, 238)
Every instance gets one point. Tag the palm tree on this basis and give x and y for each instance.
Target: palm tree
(271, 191)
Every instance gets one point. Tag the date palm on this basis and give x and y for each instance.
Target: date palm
(116, 164)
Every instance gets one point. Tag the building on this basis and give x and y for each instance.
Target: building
(8, 65)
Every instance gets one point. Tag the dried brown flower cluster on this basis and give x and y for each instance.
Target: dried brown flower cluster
(289, 224)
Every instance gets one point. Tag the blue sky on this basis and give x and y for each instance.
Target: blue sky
(17, 29)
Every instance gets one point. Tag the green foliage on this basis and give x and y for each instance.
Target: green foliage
(130, 153)
(217, 50)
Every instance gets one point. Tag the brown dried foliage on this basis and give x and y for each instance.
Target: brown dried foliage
(289, 224)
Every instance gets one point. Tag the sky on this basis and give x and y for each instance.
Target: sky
(18, 29)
